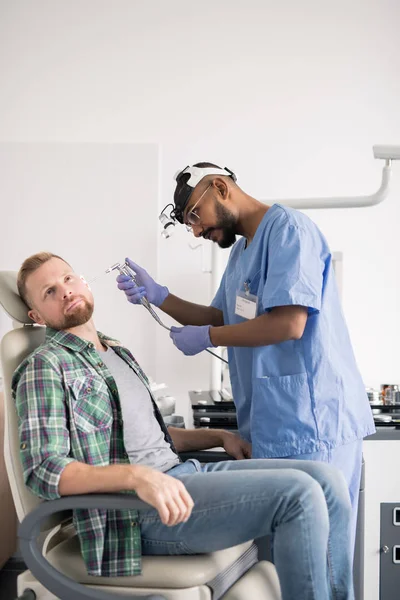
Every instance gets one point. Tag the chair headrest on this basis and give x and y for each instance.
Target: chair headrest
(10, 299)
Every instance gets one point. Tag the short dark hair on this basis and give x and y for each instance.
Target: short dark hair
(206, 165)
(181, 196)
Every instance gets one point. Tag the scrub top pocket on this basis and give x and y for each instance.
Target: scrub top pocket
(282, 415)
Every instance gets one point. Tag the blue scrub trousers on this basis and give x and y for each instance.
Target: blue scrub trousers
(348, 459)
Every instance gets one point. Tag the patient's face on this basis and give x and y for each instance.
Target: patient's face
(58, 296)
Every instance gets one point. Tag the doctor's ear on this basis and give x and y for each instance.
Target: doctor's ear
(222, 187)
(85, 282)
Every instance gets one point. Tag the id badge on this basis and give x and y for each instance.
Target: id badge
(246, 305)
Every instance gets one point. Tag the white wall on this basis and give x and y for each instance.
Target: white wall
(76, 201)
(291, 95)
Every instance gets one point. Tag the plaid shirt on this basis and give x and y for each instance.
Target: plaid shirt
(68, 409)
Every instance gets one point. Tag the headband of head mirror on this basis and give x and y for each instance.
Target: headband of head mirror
(187, 180)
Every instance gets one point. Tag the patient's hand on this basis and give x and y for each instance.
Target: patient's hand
(236, 446)
(165, 493)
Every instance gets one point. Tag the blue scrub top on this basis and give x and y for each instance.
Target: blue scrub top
(299, 396)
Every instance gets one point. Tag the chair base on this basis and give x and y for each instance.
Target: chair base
(259, 583)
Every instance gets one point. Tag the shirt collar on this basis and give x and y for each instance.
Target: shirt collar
(75, 343)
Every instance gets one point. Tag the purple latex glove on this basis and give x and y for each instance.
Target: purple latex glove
(146, 286)
(191, 339)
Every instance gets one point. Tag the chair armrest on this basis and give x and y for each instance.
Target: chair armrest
(29, 530)
(204, 456)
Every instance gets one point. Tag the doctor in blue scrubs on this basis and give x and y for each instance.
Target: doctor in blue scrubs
(295, 381)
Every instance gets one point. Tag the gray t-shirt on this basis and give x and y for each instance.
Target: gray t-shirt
(143, 436)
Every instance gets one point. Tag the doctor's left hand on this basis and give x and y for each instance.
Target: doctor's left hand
(191, 339)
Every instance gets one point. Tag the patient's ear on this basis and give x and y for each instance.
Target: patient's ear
(35, 316)
(85, 282)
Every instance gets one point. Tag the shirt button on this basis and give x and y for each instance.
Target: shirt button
(23, 446)
(133, 523)
(89, 389)
(91, 345)
(100, 364)
(115, 393)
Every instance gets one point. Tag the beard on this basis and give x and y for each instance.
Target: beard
(79, 315)
(227, 223)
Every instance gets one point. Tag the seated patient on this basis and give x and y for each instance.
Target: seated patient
(88, 423)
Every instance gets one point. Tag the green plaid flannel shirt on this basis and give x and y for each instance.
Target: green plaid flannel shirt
(68, 410)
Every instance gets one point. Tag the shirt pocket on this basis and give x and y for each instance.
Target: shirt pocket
(90, 403)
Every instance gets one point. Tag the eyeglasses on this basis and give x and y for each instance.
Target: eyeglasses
(192, 218)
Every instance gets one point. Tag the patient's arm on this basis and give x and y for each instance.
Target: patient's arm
(165, 493)
(80, 478)
(202, 439)
(48, 467)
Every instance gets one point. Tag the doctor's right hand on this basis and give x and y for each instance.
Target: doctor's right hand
(146, 286)
(165, 493)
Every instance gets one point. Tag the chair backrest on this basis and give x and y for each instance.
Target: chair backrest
(15, 346)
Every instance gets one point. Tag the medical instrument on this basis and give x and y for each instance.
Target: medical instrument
(167, 224)
(125, 269)
(91, 280)
(95, 278)
(189, 177)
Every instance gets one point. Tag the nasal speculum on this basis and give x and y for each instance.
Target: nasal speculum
(125, 269)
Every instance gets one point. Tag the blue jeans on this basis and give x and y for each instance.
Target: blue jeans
(305, 505)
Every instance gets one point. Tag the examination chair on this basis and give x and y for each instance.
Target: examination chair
(48, 541)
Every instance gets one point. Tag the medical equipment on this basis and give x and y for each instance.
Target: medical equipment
(385, 152)
(167, 221)
(213, 409)
(188, 178)
(167, 224)
(125, 269)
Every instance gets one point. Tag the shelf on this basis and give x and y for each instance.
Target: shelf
(386, 407)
